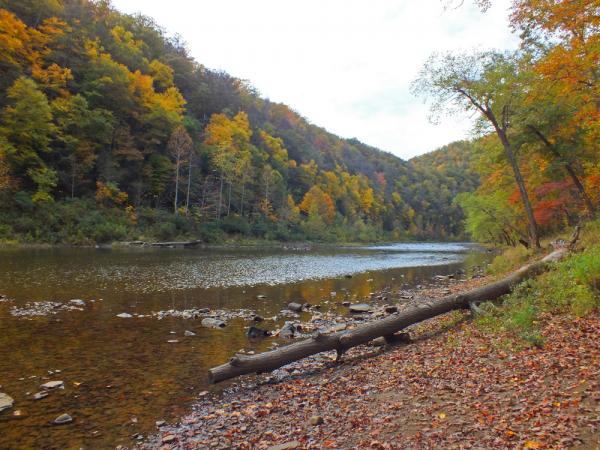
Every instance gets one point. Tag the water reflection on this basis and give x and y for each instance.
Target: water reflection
(121, 375)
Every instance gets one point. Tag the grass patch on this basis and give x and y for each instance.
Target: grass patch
(511, 258)
(572, 287)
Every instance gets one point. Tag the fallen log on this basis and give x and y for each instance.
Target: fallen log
(344, 340)
(176, 244)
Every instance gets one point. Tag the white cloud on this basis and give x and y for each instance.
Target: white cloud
(346, 65)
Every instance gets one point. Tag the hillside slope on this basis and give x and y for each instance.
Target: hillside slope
(110, 130)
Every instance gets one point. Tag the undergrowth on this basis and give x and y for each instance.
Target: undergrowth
(570, 287)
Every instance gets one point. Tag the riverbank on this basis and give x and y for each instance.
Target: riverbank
(456, 385)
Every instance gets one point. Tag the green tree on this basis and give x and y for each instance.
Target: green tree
(27, 129)
(486, 83)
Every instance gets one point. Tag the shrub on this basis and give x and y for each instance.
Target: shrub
(235, 224)
(572, 287)
(511, 258)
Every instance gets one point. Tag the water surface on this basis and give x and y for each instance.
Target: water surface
(121, 375)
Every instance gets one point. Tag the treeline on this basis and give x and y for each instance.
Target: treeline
(110, 130)
(538, 112)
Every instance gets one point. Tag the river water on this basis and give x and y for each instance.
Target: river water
(122, 374)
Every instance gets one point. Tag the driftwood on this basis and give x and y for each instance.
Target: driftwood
(175, 244)
(387, 327)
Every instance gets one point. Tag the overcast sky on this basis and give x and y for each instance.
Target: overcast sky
(345, 65)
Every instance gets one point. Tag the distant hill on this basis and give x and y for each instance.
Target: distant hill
(109, 127)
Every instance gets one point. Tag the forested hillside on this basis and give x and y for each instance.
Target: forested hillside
(110, 131)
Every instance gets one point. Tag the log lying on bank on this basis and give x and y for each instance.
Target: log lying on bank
(344, 340)
(174, 244)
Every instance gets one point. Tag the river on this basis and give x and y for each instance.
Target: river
(122, 374)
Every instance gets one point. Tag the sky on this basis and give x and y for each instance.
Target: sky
(345, 65)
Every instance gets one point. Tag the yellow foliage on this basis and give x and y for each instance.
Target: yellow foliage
(316, 201)
(110, 193)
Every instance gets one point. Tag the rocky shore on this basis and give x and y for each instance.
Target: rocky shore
(452, 386)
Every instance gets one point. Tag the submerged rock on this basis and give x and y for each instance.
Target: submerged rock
(53, 385)
(210, 322)
(189, 333)
(40, 395)
(6, 401)
(295, 307)
(63, 419)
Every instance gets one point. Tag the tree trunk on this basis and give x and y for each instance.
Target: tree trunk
(229, 200)
(569, 168)
(189, 184)
(534, 237)
(176, 184)
(344, 340)
(242, 200)
(220, 199)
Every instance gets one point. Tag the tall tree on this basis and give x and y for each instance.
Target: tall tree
(179, 146)
(487, 83)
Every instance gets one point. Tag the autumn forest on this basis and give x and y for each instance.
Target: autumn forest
(111, 131)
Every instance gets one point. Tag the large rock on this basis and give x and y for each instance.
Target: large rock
(257, 333)
(296, 307)
(210, 322)
(360, 308)
(288, 330)
(6, 401)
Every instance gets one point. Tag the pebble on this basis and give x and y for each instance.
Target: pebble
(189, 333)
(160, 423)
(173, 341)
(316, 420)
(63, 419)
(125, 316)
(40, 395)
(168, 438)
